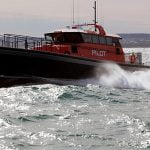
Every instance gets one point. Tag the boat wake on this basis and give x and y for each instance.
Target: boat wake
(116, 77)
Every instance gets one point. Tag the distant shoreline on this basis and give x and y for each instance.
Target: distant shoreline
(135, 40)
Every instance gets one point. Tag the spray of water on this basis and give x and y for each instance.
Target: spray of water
(118, 78)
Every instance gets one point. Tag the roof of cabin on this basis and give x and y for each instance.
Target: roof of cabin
(70, 30)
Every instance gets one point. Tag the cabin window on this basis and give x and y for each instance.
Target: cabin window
(116, 42)
(95, 39)
(103, 40)
(48, 37)
(109, 41)
(87, 38)
(73, 38)
(58, 37)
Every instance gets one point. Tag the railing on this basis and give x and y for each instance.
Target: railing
(22, 42)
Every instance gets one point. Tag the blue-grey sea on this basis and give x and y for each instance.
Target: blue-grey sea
(111, 113)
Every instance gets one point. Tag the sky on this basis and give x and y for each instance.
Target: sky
(36, 17)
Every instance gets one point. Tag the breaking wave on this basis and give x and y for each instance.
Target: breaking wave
(118, 78)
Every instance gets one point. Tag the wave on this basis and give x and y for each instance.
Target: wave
(116, 77)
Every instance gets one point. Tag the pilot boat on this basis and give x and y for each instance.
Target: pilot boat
(72, 53)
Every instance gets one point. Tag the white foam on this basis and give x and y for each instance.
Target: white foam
(118, 78)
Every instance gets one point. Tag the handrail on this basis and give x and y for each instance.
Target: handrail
(20, 41)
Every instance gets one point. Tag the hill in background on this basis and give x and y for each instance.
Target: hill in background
(135, 40)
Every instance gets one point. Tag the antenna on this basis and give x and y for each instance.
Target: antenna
(95, 17)
(78, 10)
(73, 13)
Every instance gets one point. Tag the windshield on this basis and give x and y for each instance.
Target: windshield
(65, 37)
(48, 37)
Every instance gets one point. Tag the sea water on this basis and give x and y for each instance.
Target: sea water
(111, 113)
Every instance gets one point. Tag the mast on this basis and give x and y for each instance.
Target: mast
(73, 14)
(95, 15)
